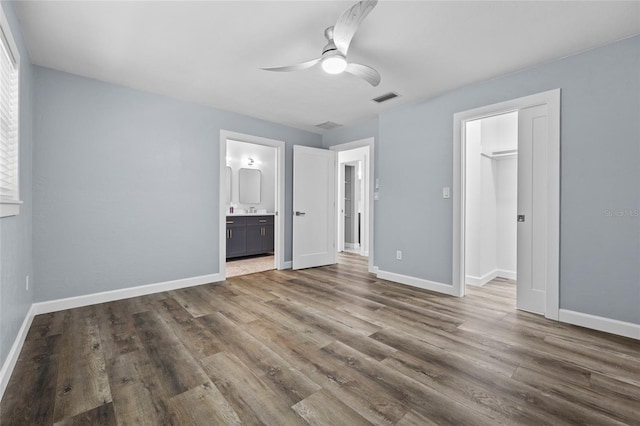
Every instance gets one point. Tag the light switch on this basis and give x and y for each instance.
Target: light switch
(446, 192)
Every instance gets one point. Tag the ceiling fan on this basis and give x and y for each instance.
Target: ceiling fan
(334, 54)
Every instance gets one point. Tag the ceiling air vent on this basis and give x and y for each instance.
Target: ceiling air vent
(385, 97)
(328, 125)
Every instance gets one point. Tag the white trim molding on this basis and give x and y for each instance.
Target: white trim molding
(510, 275)
(551, 98)
(279, 228)
(124, 293)
(621, 328)
(480, 281)
(286, 264)
(417, 282)
(14, 353)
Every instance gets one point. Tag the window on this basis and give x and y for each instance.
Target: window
(9, 124)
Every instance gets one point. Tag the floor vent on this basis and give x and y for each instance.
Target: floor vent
(385, 97)
(328, 125)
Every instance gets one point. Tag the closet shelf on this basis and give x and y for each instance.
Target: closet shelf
(501, 155)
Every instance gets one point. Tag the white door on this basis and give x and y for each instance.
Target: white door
(533, 138)
(314, 197)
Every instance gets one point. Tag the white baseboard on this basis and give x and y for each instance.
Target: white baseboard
(352, 246)
(417, 282)
(287, 265)
(125, 293)
(480, 281)
(621, 328)
(14, 353)
(510, 275)
(374, 270)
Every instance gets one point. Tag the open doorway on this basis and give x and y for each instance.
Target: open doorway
(252, 179)
(491, 204)
(354, 206)
(537, 218)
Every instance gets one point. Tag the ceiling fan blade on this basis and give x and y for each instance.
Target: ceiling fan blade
(348, 23)
(296, 67)
(364, 72)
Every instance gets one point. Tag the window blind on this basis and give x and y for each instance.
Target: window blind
(8, 122)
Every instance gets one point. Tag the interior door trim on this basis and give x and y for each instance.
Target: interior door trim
(279, 219)
(552, 99)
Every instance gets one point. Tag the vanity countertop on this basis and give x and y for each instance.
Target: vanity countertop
(251, 214)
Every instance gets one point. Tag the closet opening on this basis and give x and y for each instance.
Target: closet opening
(491, 205)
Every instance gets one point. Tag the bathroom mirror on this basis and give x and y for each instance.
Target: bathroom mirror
(228, 184)
(250, 183)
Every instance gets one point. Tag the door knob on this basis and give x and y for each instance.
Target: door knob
(520, 218)
(300, 213)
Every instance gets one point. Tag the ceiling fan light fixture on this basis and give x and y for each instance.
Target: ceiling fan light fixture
(334, 64)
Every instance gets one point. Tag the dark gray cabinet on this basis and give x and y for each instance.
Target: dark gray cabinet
(236, 237)
(249, 235)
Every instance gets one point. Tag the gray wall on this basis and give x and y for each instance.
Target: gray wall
(16, 259)
(126, 185)
(600, 149)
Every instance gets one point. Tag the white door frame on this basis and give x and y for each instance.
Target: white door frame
(370, 166)
(552, 99)
(279, 218)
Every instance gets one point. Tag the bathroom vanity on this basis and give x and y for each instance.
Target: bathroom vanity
(249, 234)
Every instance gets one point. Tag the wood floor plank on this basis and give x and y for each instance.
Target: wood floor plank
(358, 391)
(33, 386)
(322, 408)
(82, 381)
(193, 302)
(290, 385)
(203, 406)
(117, 330)
(357, 338)
(329, 345)
(425, 400)
(45, 325)
(250, 397)
(620, 410)
(139, 398)
(198, 340)
(177, 370)
(486, 375)
(99, 416)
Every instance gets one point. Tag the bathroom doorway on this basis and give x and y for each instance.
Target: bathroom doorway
(252, 180)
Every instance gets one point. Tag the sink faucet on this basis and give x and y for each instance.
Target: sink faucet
(252, 209)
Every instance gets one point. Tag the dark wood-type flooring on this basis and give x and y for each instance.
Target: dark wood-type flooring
(324, 346)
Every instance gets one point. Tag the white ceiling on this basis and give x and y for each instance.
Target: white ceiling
(210, 52)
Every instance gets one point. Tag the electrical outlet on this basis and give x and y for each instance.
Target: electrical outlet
(446, 192)
(27, 283)
(399, 255)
